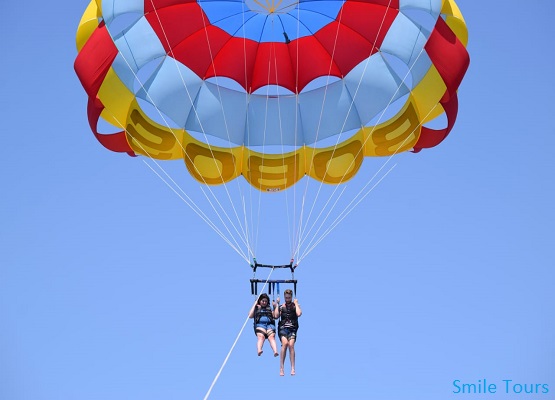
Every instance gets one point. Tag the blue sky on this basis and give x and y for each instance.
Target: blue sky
(111, 288)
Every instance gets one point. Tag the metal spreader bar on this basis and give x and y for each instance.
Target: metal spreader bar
(272, 282)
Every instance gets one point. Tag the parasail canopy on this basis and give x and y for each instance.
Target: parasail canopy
(273, 90)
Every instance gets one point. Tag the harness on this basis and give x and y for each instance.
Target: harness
(288, 316)
(263, 312)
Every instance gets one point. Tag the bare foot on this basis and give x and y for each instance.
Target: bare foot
(260, 352)
(281, 372)
(292, 372)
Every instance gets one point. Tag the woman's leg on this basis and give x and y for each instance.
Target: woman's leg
(260, 342)
(272, 340)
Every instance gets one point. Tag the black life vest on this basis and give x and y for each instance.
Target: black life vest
(263, 312)
(288, 316)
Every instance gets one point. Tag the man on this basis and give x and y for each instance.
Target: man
(288, 315)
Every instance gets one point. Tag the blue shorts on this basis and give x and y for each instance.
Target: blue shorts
(267, 327)
(288, 333)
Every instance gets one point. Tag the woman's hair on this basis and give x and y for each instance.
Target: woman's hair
(264, 296)
(288, 291)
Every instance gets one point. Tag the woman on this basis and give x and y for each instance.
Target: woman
(264, 323)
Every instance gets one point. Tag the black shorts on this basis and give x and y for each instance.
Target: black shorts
(287, 332)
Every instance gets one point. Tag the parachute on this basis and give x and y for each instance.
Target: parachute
(271, 90)
(267, 93)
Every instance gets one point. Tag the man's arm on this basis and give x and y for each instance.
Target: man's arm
(298, 308)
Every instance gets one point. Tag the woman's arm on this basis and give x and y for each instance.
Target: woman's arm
(251, 312)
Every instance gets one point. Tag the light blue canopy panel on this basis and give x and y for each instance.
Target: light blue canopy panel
(137, 47)
(111, 9)
(406, 41)
(173, 89)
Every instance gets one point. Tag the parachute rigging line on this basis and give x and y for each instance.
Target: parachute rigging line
(349, 208)
(244, 236)
(301, 234)
(199, 212)
(298, 233)
(281, 140)
(250, 188)
(343, 177)
(342, 216)
(200, 122)
(203, 191)
(191, 203)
